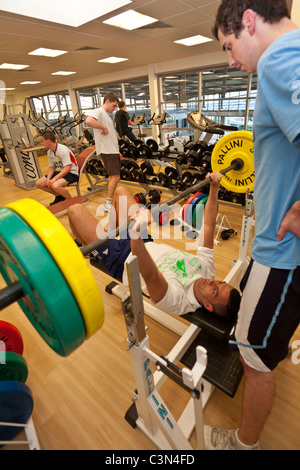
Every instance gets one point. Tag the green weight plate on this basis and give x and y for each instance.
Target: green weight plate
(199, 213)
(13, 367)
(48, 302)
(191, 208)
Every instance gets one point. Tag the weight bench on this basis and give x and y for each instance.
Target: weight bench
(224, 368)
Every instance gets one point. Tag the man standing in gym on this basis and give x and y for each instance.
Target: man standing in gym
(106, 140)
(259, 36)
(123, 122)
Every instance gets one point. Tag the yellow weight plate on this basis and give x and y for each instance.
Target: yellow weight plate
(68, 258)
(235, 145)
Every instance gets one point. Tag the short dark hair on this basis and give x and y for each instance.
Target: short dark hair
(122, 104)
(231, 310)
(230, 14)
(48, 135)
(111, 97)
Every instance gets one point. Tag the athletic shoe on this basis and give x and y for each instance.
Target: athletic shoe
(57, 200)
(106, 207)
(222, 439)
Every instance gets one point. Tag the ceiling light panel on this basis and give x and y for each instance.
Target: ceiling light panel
(112, 60)
(130, 20)
(62, 72)
(60, 12)
(193, 40)
(42, 51)
(30, 83)
(13, 66)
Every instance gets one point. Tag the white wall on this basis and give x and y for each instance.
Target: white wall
(296, 12)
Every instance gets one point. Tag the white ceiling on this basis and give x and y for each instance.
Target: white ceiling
(94, 40)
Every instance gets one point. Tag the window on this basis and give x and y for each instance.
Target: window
(221, 93)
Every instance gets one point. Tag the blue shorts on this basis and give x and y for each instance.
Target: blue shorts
(113, 254)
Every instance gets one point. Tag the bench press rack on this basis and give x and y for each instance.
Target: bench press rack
(203, 348)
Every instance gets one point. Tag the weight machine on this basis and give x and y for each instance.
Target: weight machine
(202, 348)
(19, 148)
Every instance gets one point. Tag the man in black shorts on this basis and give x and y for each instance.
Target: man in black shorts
(107, 146)
(62, 171)
(259, 36)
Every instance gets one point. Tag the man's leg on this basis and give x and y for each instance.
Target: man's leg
(112, 184)
(42, 184)
(258, 400)
(124, 206)
(59, 188)
(86, 227)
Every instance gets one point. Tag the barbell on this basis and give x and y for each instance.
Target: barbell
(49, 277)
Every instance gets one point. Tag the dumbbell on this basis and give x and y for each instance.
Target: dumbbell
(95, 167)
(237, 198)
(124, 148)
(205, 163)
(139, 149)
(153, 198)
(140, 174)
(127, 168)
(196, 178)
(194, 152)
(166, 178)
(186, 179)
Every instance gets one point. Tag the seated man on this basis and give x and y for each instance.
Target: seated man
(177, 282)
(62, 171)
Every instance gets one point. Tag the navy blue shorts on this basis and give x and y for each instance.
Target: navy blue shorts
(113, 254)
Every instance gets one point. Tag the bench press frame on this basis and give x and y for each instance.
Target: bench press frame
(149, 412)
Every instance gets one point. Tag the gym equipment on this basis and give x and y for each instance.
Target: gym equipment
(238, 144)
(47, 256)
(203, 124)
(236, 165)
(140, 175)
(153, 197)
(16, 406)
(67, 259)
(14, 368)
(127, 168)
(20, 151)
(21, 265)
(10, 337)
(193, 210)
(62, 207)
(214, 366)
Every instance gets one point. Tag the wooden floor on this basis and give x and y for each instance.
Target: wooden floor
(80, 401)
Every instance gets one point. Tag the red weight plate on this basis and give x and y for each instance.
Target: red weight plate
(11, 338)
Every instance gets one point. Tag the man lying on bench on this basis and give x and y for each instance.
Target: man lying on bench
(176, 282)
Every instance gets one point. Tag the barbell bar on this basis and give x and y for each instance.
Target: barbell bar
(237, 165)
(39, 257)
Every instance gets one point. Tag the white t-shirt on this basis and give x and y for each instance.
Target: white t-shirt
(61, 157)
(105, 144)
(180, 270)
